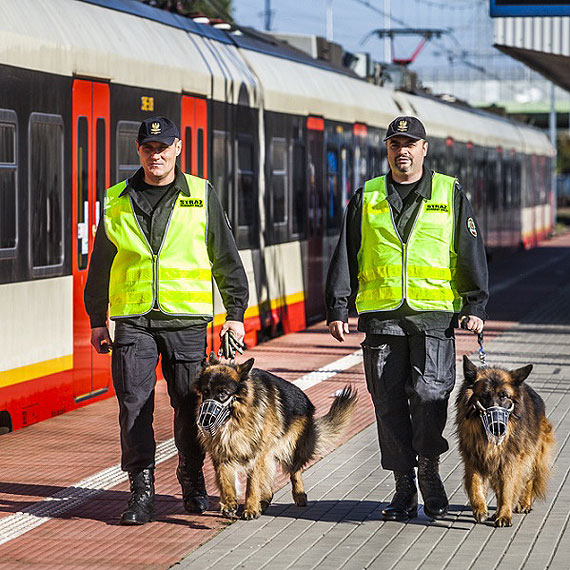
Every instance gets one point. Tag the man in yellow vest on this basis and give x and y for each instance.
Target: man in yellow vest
(411, 250)
(162, 237)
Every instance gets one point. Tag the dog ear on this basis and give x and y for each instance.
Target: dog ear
(520, 374)
(469, 371)
(244, 368)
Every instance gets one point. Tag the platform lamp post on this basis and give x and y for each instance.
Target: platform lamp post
(552, 132)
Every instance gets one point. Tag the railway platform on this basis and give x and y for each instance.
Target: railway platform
(62, 492)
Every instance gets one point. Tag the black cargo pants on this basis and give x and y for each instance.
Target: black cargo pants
(134, 360)
(410, 379)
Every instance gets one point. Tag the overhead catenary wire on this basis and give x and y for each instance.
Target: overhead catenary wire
(452, 56)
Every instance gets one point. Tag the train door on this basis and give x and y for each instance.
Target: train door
(314, 302)
(194, 131)
(91, 176)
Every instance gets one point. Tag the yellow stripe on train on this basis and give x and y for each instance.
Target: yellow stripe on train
(37, 370)
(251, 312)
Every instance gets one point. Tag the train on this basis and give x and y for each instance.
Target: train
(284, 137)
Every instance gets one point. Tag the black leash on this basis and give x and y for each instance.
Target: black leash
(482, 353)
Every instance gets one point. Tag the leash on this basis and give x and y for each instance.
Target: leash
(482, 353)
(229, 346)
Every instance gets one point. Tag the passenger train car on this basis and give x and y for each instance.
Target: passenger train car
(285, 139)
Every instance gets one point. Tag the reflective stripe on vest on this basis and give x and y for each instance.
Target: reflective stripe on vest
(422, 271)
(184, 284)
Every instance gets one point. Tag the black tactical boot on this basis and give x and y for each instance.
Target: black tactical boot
(431, 486)
(191, 480)
(404, 504)
(140, 509)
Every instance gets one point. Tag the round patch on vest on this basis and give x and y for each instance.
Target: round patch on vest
(471, 227)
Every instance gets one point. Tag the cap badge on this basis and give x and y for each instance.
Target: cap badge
(155, 129)
(402, 126)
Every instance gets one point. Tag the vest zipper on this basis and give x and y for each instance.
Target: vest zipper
(153, 257)
(405, 251)
(161, 246)
(418, 213)
(403, 256)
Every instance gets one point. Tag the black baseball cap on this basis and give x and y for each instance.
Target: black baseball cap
(158, 129)
(406, 126)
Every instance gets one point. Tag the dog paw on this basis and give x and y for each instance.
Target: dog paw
(525, 509)
(300, 499)
(265, 504)
(229, 510)
(480, 516)
(503, 521)
(250, 514)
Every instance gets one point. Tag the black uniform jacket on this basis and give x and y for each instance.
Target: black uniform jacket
(227, 267)
(471, 276)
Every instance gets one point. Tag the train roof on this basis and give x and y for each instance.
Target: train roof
(444, 120)
(75, 38)
(156, 49)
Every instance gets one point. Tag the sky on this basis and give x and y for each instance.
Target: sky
(467, 24)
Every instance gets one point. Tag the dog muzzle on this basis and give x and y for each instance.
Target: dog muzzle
(213, 414)
(495, 421)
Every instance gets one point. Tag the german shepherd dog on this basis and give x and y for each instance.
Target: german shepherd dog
(513, 453)
(266, 420)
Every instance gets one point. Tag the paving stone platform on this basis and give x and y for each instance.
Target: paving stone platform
(342, 527)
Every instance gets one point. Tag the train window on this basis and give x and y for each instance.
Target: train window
(334, 203)
(201, 153)
(127, 158)
(347, 173)
(299, 193)
(279, 181)
(46, 193)
(221, 168)
(82, 193)
(101, 167)
(373, 163)
(245, 184)
(188, 150)
(8, 184)
(360, 166)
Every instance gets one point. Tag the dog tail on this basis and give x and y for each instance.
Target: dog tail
(330, 426)
(543, 461)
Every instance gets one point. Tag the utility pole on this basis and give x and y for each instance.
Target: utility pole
(267, 15)
(387, 39)
(329, 21)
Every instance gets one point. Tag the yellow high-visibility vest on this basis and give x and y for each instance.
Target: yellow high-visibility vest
(179, 277)
(421, 271)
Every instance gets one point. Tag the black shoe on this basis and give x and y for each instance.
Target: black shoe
(431, 486)
(194, 494)
(140, 509)
(404, 504)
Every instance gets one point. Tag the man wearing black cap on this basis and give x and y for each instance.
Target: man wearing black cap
(411, 250)
(162, 237)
